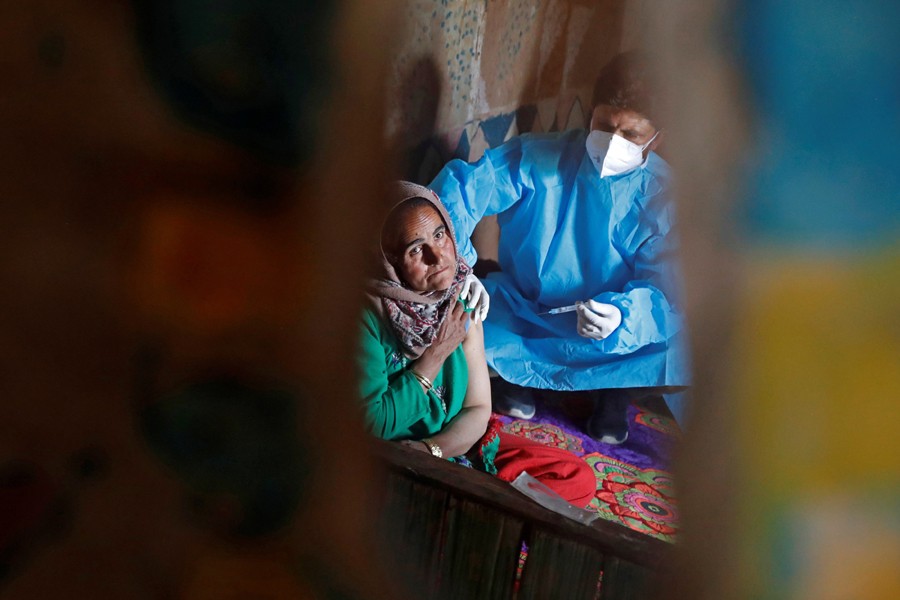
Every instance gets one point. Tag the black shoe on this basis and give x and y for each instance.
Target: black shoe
(511, 399)
(609, 423)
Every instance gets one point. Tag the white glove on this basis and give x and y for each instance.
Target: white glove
(597, 320)
(475, 297)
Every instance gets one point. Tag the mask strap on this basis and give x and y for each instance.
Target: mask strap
(650, 141)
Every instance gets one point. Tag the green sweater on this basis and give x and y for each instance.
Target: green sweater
(396, 406)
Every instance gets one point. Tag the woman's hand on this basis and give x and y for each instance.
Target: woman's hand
(416, 445)
(449, 336)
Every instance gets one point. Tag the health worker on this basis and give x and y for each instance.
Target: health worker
(586, 219)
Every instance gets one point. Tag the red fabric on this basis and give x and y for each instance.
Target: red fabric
(560, 470)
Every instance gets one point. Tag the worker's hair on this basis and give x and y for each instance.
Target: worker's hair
(625, 83)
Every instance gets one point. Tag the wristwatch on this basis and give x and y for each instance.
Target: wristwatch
(434, 448)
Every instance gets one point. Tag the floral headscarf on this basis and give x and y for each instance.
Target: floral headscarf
(414, 317)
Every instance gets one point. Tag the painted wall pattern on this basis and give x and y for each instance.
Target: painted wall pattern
(468, 75)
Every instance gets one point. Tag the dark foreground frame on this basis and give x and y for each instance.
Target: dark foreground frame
(458, 533)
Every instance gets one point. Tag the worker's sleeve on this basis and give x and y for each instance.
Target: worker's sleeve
(470, 192)
(649, 302)
(392, 403)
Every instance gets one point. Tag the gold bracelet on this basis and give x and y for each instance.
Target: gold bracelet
(422, 379)
(434, 448)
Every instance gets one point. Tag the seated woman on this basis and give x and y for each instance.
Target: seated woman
(424, 378)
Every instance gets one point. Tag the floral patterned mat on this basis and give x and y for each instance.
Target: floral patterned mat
(634, 482)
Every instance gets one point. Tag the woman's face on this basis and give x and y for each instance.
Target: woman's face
(421, 248)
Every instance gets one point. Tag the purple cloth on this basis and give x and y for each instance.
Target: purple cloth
(651, 436)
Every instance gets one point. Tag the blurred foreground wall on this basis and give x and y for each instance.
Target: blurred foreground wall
(181, 263)
(784, 119)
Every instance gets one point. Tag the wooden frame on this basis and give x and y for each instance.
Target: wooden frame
(458, 533)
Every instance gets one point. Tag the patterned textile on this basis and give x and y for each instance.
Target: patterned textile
(482, 454)
(634, 483)
(641, 499)
(547, 434)
(415, 324)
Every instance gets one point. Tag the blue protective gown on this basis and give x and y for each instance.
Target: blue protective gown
(568, 235)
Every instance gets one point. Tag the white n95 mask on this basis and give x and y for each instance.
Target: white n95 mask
(614, 155)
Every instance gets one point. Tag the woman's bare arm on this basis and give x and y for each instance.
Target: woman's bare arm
(469, 425)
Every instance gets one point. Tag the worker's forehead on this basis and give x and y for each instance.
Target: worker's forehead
(621, 116)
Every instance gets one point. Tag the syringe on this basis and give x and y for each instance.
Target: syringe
(560, 310)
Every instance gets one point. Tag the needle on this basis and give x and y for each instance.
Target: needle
(560, 310)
